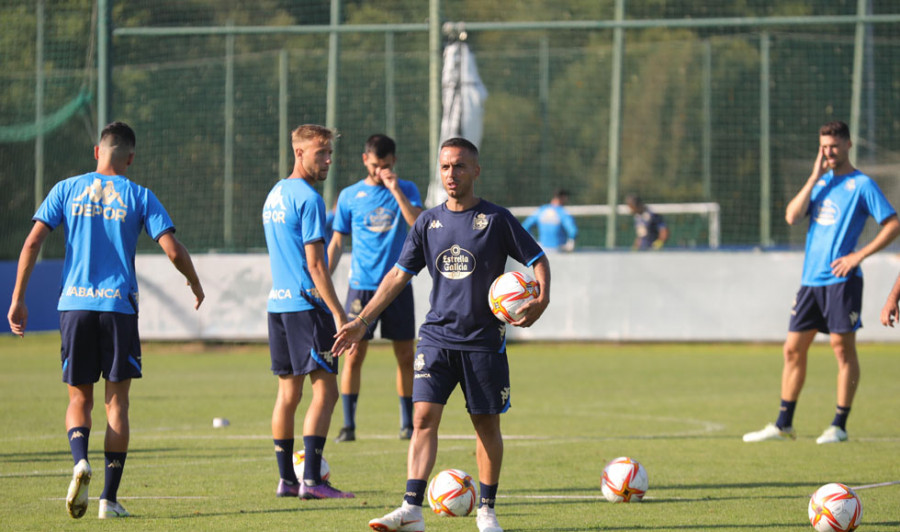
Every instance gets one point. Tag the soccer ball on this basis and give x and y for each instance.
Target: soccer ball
(624, 480)
(509, 292)
(299, 458)
(451, 493)
(835, 508)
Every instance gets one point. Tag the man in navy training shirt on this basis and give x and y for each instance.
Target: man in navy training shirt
(377, 213)
(838, 198)
(103, 214)
(464, 243)
(303, 313)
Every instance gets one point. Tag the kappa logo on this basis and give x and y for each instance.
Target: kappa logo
(854, 318)
(279, 449)
(435, 224)
(362, 194)
(77, 434)
(504, 394)
(100, 199)
(274, 209)
(327, 356)
(115, 464)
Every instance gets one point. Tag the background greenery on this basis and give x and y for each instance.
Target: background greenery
(680, 409)
(172, 90)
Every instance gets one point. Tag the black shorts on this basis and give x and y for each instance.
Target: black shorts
(833, 308)
(300, 342)
(482, 375)
(398, 321)
(99, 343)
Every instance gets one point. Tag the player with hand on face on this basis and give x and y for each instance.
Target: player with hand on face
(464, 243)
(377, 213)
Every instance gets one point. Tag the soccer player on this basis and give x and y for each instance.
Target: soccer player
(103, 214)
(377, 213)
(650, 228)
(556, 227)
(838, 199)
(464, 243)
(304, 312)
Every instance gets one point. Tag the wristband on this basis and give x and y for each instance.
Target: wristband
(366, 323)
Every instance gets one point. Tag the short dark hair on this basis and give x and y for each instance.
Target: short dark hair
(381, 145)
(837, 129)
(634, 198)
(459, 142)
(118, 135)
(561, 193)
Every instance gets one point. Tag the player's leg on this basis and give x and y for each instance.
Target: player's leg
(315, 431)
(844, 347)
(78, 427)
(404, 352)
(351, 383)
(489, 456)
(290, 391)
(793, 373)
(115, 447)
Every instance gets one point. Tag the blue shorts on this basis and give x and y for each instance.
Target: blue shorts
(482, 375)
(398, 321)
(833, 308)
(99, 343)
(300, 342)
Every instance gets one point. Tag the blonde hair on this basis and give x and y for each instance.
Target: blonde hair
(308, 132)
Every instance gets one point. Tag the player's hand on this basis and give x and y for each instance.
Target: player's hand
(890, 313)
(842, 266)
(531, 311)
(389, 178)
(820, 167)
(348, 335)
(18, 318)
(199, 296)
(658, 243)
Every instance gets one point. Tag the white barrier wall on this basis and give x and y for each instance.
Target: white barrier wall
(610, 296)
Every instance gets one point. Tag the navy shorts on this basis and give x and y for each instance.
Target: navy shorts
(300, 342)
(833, 308)
(99, 343)
(482, 375)
(398, 321)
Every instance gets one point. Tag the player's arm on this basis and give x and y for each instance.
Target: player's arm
(318, 270)
(391, 286)
(335, 250)
(18, 310)
(890, 313)
(410, 212)
(797, 207)
(535, 308)
(890, 228)
(180, 257)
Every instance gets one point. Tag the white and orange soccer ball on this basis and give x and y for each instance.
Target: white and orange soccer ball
(300, 457)
(624, 480)
(835, 508)
(509, 292)
(451, 493)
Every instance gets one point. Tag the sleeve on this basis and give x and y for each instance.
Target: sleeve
(312, 219)
(531, 220)
(343, 222)
(412, 193)
(52, 209)
(569, 225)
(522, 246)
(412, 255)
(156, 220)
(879, 207)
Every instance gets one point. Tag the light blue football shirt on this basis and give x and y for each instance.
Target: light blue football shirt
(293, 216)
(838, 209)
(555, 226)
(103, 217)
(371, 215)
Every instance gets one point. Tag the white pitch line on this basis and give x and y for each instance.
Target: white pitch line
(878, 485)
(157, 498)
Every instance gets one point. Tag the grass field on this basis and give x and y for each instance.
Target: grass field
(679, 409)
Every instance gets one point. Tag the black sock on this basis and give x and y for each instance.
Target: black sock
(78, 442)
(786, 414)
(284, 455)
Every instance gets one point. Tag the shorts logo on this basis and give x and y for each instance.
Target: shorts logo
(480, 222)
(854, 318)
(380, 220)
(435, 224)
(829, 213)
(420, 362)
(504, 394)
(356, 307)
(455, 263)
(97, 200)
(327, 356)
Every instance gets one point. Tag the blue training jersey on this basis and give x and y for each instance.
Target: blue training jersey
(371, 215)
(838, 209)
(555, 226)
(464, 252)
(293, 216)
(103, 216)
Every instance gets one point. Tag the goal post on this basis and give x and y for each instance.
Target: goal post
(709, 210)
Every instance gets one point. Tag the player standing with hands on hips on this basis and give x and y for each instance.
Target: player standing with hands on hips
(838, 199)
(304, 313)
(377, 213)
(464, 243)
(103, 214)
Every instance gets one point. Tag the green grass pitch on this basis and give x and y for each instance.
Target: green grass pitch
(680, 409)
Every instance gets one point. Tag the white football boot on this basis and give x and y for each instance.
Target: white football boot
(407, 518)
(77, 496)
(833, 434)
(771, 433)
(486, 520)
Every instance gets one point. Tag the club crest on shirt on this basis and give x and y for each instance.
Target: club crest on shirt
(455, 263)
(850, 184)
(380, 220)
(480, 222)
